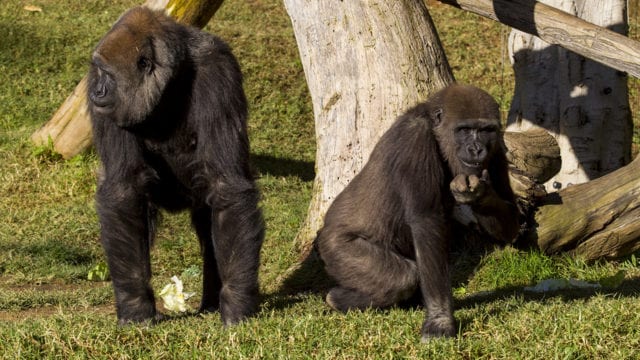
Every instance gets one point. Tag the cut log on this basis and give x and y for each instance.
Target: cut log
(534, 152)
(69, 129)
(534, 157)
(593, 220)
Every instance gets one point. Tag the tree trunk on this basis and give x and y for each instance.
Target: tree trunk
(69, 129)
(584, 104)
(365, 62)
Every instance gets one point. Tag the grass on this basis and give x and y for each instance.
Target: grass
(49, 231)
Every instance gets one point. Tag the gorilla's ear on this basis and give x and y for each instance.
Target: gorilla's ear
(436, 115)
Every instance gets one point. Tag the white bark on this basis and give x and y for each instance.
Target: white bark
(365, 62)
(584, 104)
(156, 4)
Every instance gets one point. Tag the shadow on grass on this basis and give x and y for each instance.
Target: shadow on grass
(41, 254)
(277, 167)
(307, 278)
(628, 288)
(267, 303)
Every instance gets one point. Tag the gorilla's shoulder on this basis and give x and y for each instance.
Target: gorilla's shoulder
(417, 119)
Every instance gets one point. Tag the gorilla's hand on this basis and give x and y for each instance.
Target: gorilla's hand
(468, 189)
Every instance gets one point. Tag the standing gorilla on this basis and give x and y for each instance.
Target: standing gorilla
(169, 119)
(388, 233)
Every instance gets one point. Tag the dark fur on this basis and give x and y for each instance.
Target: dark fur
(388, 233)
(169, 121)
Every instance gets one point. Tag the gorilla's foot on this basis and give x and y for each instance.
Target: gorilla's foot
(343, 299)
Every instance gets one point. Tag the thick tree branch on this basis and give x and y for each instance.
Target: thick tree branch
(559, 28)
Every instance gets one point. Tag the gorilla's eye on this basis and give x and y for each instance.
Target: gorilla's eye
(465, 130)
(488, 129)
(144, 64)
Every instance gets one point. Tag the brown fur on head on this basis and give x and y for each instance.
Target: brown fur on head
(467, 125)
(132, 65)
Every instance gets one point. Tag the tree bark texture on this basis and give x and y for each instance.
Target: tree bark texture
(584, 104)
(365, 62)
(594, 220)
(535, 152)
(69, 129)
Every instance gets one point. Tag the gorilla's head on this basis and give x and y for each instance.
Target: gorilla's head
(132, 66)
(467, 124)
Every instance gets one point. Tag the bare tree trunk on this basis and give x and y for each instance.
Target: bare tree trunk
(584, 104)
(365, 62)
(70, 128)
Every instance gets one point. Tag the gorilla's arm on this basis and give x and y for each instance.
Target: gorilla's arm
(127, 221)
(495, 215)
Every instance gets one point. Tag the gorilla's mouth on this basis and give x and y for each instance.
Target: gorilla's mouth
(473, 164)
(103, 108)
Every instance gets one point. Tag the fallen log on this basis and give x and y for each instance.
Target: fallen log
(599, 219)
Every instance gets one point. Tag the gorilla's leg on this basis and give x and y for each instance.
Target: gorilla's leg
(127, 222)
(201, 219)
(237, 236)
(368, 275)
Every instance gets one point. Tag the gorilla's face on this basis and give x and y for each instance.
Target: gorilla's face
(475, 141)
(467, 125)
(130, 69)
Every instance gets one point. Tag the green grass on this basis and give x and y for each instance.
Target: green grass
(49, 232)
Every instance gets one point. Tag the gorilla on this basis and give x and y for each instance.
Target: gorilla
(169, 120)
(388, 234)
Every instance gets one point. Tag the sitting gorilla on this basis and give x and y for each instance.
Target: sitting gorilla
(169, 120)
(388, 234)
